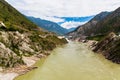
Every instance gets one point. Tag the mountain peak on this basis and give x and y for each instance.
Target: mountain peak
(87, 29)
(118, 9)
(101, 24)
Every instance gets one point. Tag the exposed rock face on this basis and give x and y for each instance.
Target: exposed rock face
(14, 45)
(109, 47)
(2, 24)
(8, 57)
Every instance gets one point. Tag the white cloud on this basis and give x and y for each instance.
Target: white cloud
(72, 24)
(39, 8)
(53, 19)
(46, 9)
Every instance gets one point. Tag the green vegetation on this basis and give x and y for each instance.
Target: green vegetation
(44, 44)
(10, 62)
(96, 38)
(47, 43)
(13, 19)
(21, 37)
(56, 40)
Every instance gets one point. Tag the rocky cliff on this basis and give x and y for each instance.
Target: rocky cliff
(109, 47)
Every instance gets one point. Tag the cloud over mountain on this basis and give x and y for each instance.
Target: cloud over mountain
(72, 24)
(47, 9)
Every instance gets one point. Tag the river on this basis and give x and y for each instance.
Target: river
(73, 61)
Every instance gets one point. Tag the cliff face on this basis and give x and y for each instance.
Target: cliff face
(109, 47)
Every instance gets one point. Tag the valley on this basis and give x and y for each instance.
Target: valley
(59, 40)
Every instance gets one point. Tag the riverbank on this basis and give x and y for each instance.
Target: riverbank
(11, 73)
(89, 43)
(109, 47)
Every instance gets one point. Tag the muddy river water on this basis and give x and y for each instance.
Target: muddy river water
(73, 61)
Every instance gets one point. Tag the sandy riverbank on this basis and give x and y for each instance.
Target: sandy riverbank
(11, 73)
(8, 76)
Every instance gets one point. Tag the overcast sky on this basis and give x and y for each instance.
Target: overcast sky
(46, 9)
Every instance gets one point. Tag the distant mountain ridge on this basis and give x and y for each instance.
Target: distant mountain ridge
(71, 29)
(49, 25)
(55, 27)
(111, 23)
(86, 29)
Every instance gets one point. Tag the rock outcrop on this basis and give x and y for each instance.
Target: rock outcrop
(109, 47)
(2, 24)
(14, 45)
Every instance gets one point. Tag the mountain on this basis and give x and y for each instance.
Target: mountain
(109, 23)
(87, 29)
(55, 27)
(71, 29)
(49, 25)
(20, 37)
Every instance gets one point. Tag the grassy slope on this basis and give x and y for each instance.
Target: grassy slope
(15, 21)
(96, 38)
